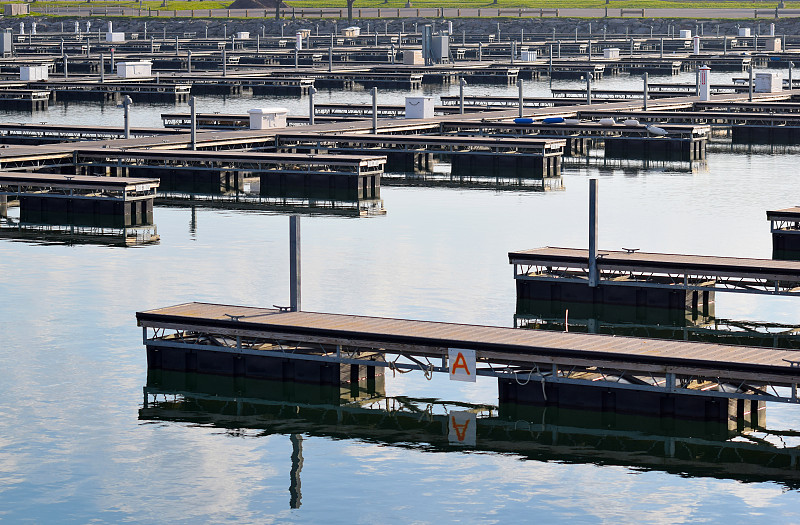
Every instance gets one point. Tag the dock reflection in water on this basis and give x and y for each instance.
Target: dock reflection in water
(11, 228)
(533, 433)
(705, 329)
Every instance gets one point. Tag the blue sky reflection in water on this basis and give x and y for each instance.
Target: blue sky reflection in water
(72, 447)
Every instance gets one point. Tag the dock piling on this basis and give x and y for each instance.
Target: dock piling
(644, 94)
(750, 84)
(461, 83)
(126, 104)
(519, 85)
(193, 124)
(593, 232)
(311, 91)
(294, 263)
(102, 68)
(374, 110)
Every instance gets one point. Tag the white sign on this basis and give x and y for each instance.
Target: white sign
(462, 428)
(461, 364)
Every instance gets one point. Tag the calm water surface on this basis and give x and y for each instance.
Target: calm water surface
(72, 445)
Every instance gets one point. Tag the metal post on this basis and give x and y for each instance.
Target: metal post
(645, 94)
(724, 45)
(258, 44)
(177, 46)
(750, 84)
(330, 59)
(311, 109)
(697, 82)
(791, 66)
(193, 123)
(126, 104)
(513, 51)
(102, 68)
(66, 72)
(296, 54)
(294, 263)
(374, 110)
(661, 47)
(461, 84)
(152, 44)
(588, 88)
(188, 60)
(224, 63)
(593, 232)
(519, 85)
(3, 206)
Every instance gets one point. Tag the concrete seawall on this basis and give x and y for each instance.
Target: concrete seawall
(508, 26)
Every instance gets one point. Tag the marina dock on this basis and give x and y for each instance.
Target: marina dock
(685, 380)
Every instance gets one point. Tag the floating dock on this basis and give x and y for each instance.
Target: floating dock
(784, 225)
(79, 200)
(626, 375)
(677, 285)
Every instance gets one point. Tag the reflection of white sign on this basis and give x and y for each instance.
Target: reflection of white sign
(462, 426)
(462, 364)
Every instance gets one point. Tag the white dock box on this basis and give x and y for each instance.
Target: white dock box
(686, 33)
(419, 107)
(413, 58)
(139, 69)
(772, 44)
(744, 31)
(242, 35)
(265, 118)
(31, 73)
(528, 56)
(351, 31)
(767, 83)
(115, 37)
(611, 52)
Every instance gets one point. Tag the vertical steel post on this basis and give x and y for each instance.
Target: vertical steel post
(374, 110)
(519, 85)
(330, 58)
(311, 91)
(588, 88)
(102, 68)
(294, 263)
(461, 84)
(645, 94)
(593, 278)
(188, 60)
(791, 66)
(750, 84)
(193, 123)
(224, 63)
(126, 104)
(697, 81)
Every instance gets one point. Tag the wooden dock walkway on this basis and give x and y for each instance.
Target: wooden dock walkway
(635, 268)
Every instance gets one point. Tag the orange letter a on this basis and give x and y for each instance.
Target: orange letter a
(460, 363)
